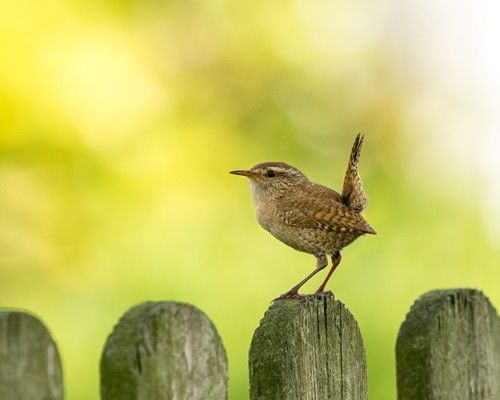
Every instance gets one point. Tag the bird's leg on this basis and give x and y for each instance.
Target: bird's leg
(321, 263)
(336, 257)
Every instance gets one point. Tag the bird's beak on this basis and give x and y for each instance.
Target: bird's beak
(247, 173)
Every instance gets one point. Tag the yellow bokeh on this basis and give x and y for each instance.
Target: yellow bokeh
(119, 122)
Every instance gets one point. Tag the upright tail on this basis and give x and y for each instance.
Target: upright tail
(352, 191)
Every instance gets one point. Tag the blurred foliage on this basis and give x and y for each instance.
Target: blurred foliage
(119, 122)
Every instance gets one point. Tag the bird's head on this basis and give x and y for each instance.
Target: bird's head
(272, 178)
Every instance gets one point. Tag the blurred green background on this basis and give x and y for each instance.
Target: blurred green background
(119, 122)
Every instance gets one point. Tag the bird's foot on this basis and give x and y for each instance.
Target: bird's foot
(291, 294)
(321, 293)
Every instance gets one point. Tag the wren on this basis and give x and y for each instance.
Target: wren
(307, 216)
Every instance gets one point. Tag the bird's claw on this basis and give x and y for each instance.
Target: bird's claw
(288, 295)
(321, 293)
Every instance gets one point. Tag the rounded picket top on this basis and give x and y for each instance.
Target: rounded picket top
(308, 348)
(164, 350)
(30, 366)
(449, 348)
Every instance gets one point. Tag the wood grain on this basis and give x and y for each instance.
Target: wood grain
(308, 348)
(449, 348)
(30, 366)
(164, 350)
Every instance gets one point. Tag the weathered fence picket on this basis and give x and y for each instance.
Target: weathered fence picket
(308, 348)
(30, 367)
(449, 348)
(164, 350)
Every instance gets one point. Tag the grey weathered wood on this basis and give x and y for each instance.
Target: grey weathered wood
(164, 350)
(30, 367)
(449, 348)
(305, 349)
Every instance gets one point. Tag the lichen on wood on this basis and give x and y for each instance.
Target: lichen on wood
(164, 351)
(308, 348)
(30, 366)
(449, 348)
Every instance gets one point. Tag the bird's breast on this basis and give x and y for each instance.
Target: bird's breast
(265, 209)
(265, 216)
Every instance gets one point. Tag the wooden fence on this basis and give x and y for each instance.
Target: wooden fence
(311, 348)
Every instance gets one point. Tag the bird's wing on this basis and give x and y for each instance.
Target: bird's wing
(322, 213)
(352, 192)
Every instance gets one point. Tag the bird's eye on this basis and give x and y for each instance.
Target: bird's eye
(270, 173)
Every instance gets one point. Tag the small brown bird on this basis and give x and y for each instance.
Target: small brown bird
(307, 216)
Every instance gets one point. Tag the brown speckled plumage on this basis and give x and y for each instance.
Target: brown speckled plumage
(352, 192)
(307, 216)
